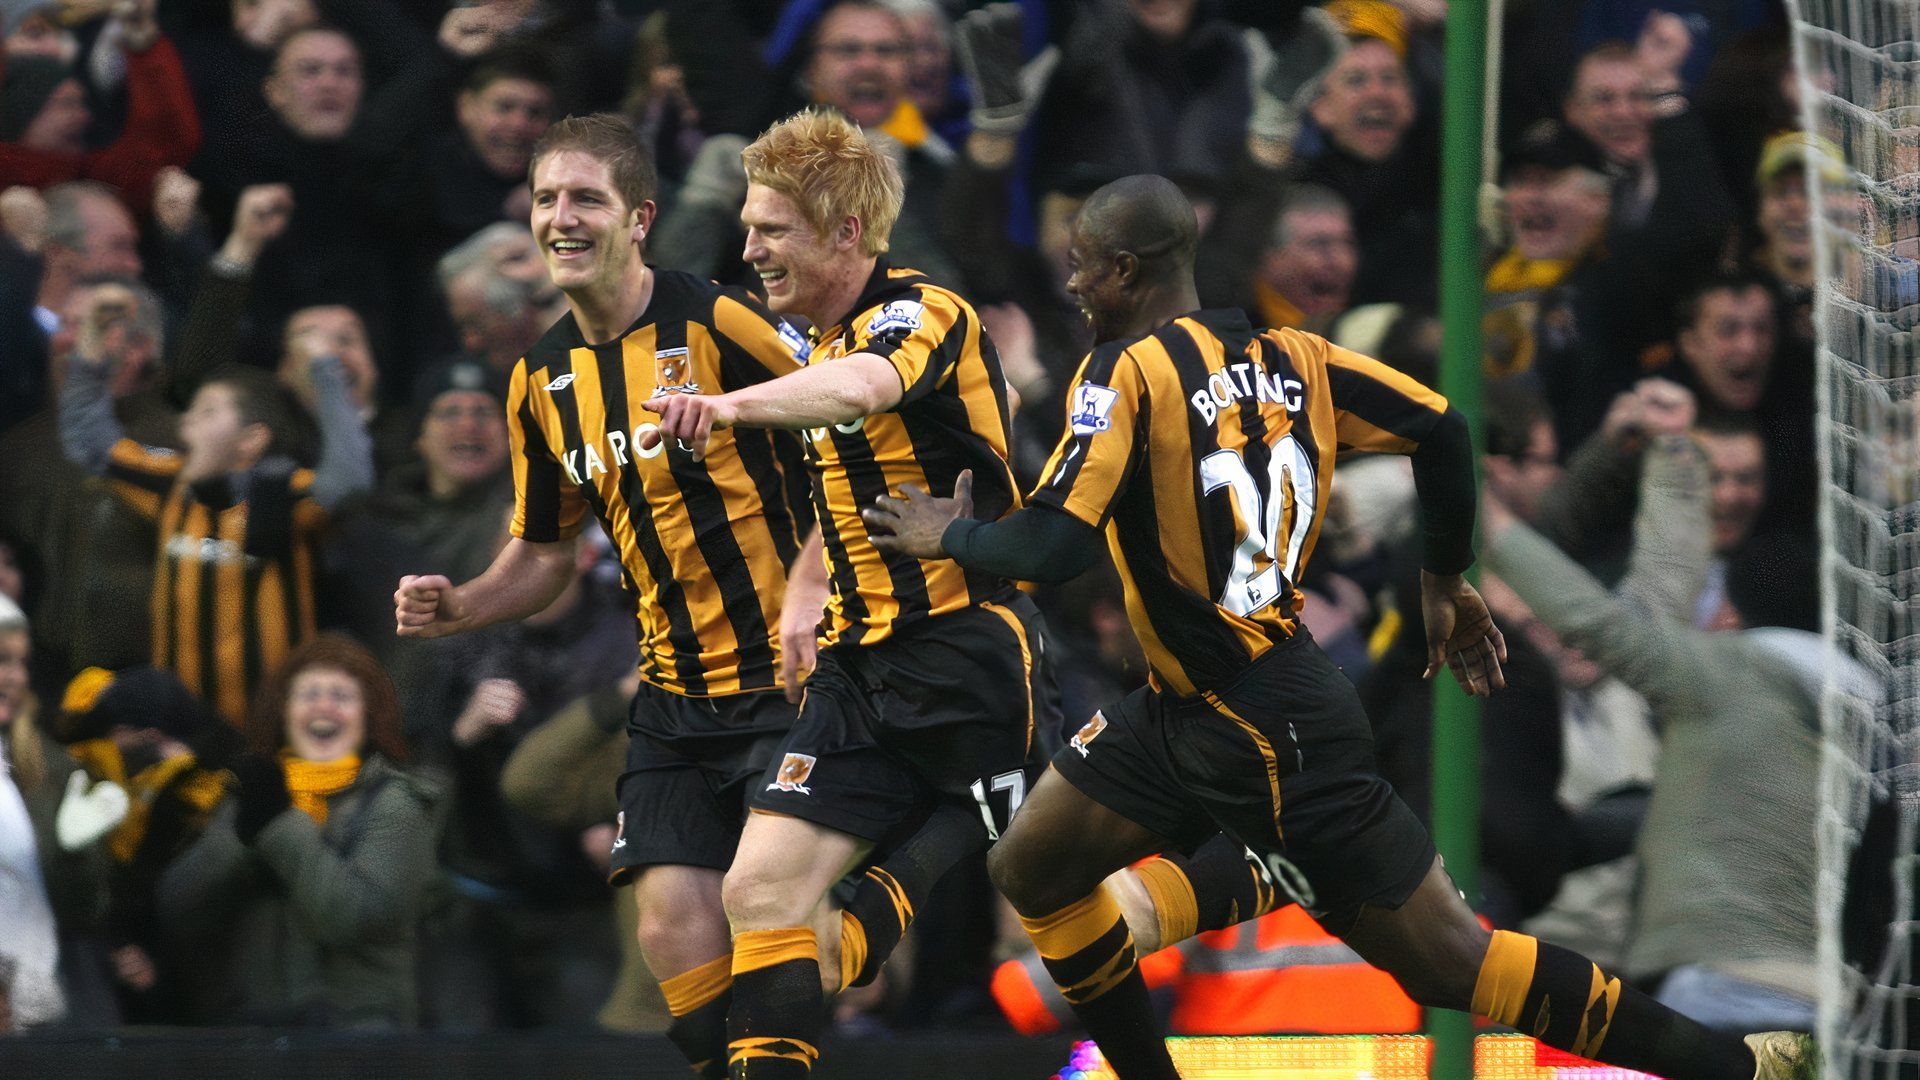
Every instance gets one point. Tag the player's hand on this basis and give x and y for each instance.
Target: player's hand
(800, 612)
(1461, 634)
(913, 524)
(690, 419)
(427, 606)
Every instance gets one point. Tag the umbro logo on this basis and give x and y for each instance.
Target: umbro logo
(561, 383)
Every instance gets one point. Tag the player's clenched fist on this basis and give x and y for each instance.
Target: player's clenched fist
(426, 606)
(689, 418)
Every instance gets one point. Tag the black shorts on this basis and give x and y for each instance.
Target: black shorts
(1281, 760)
(945, 709)
(690, 765)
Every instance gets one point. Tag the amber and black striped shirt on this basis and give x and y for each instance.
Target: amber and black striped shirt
(953, 417)
(704, 544)
(233, 592)
(1206, 451)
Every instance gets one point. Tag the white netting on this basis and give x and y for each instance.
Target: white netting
(1859, 72)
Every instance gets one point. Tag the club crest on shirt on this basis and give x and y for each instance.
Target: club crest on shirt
(1092, 408)
(673, 370)
(794, 770)
(1088, 732)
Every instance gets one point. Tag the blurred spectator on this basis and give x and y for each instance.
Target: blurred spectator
(1146, 86)
(1304, 270)
(1555, 195)
(299, 901)
(560, 775)
(1738, 460)
(1749, 94)
(230, 497)
(443, 183)
(140, 730)
(91, 554)
(1020, 288)
(227, 62)
(29, 936)
(334, 248)
(44, 118)
(438, 510)
(1373, 153)
(70, 815)
(89, 235)
(1670, 218)
(1725, 909)
(1729, 352)
(932, 85)
(1784, 221)
(528, 941)
(499, 294)
(52, 243)
(1522, 460)
(856, 63)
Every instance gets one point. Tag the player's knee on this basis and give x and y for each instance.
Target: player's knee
(755, 900)
(1028, 883)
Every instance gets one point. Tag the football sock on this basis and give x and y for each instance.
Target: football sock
(883, 903)
(773, 1026)
(1089, 954)
(1566, 1001)
(1216, 887)
(698, 1001)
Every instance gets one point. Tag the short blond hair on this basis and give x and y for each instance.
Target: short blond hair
(826, 165)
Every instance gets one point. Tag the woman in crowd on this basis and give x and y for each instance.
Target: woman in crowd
(298, 903)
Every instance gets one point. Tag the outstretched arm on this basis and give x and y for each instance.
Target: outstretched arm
(838, 392)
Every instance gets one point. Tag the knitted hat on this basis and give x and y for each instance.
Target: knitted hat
(31, 80)
(456, 374)
(98, 700)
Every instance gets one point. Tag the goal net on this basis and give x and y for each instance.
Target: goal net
(1859, 76)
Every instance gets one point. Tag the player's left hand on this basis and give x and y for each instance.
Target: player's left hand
(690, 418)
(912, 525)
(1461, 634)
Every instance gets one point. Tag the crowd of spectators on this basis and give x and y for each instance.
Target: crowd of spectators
(265, 265)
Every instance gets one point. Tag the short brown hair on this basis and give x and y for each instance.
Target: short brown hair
(827, 166)
(267, 722)
(259, 398)
(609, 139)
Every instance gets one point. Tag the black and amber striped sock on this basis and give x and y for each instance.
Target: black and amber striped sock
(871, 925)
(773, 1028)
(698, 1002)
(883, 903)
(1089, 953)
(1217, 886)
(1564, 1000)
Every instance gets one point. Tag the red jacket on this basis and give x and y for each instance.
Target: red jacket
(162, 129)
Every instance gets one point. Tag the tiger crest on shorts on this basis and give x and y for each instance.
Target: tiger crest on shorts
(793, 774)
(1088, 732)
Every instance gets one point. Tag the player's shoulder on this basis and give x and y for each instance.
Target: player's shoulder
(899, 298)
(551, 349)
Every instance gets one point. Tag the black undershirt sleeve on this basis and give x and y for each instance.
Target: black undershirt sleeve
(1034, 543)
(1443, 483)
